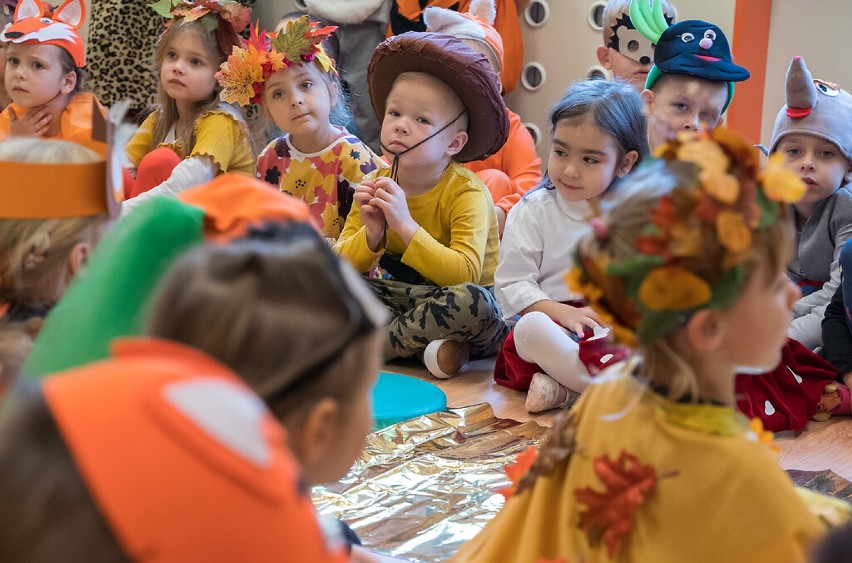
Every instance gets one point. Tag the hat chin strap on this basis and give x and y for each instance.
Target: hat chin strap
(394, 171)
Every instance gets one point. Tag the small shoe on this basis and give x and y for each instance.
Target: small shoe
(444, 358)
(546, 393)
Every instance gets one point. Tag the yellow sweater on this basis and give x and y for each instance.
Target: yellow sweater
(719, 495)
(218, 134)
(457, 241)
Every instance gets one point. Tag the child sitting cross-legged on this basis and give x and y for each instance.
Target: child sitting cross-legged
(688, 266)
(428, 221)
(315, 160)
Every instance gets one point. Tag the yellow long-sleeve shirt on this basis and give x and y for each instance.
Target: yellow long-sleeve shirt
(457, 241)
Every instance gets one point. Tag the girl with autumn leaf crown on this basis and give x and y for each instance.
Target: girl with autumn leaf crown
(314, 160)
(687, 265)
(192, 136)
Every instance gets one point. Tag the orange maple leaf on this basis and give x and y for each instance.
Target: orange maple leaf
(610, 513)
(517, 470)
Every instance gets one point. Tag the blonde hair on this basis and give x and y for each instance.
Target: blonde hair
(168, 113)
(627, 213)
(613, 10)
(280, 309)
(34, 263)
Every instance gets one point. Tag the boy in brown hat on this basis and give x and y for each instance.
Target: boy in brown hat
(427, 221)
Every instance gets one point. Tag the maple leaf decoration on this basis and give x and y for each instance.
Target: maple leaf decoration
(301, 41)
(517, 470)
(609, 517)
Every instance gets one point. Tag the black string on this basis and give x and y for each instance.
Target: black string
(394, 170)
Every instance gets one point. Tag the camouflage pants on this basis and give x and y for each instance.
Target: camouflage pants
(423, 313)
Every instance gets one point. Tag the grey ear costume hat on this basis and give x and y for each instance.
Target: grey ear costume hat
(464, 69)
(814, 107)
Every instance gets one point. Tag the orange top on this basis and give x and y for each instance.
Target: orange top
(183, 460)
(75, 120)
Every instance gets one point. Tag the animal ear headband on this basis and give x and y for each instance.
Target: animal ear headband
(34, 23)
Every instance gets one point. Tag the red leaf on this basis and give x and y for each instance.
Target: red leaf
(609, 517)
(517, 470)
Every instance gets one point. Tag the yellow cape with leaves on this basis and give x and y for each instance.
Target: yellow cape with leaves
(633, 476)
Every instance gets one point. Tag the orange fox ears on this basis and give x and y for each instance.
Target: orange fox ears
(71, 12)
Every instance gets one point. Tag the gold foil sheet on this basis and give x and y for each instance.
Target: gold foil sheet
(425, 486)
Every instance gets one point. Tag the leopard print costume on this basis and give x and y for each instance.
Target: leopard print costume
(122, 34)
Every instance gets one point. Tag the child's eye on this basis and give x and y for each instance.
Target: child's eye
(277, 94)
(196, 62)
(680, 106)
(793, 151)
(393, 113)
(37, 65)
(13, 61)
(559, 152)
(423, 120)
(306, 85)
(590, 160)
(171, 55)
(826, 154)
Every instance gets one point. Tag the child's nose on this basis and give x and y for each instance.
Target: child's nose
(808, 161)
(692, 124)
(793, 293)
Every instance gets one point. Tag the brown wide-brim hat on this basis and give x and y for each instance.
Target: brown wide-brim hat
(464, 69)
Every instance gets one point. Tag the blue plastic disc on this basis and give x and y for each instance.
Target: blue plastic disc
(399, 397)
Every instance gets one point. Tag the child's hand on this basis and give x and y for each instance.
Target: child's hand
(372, 217)
(575, 318)
(390, 198)
(34, 123)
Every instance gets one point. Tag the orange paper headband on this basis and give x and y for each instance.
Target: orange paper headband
(183, 460)
(34, 25)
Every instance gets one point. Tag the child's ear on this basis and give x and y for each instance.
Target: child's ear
(334, 92)
(69, 82)
(310, 440)
(848, 176)
(704, 331)
(603, 57)
(78, 257)
(458, 143)
(627, 163)
(647, 101)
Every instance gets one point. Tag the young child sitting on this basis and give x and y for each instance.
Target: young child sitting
(191, 136)
(813, 136)
(625, 52)
(158, 454)
(428, 221)
(688, 264)
(314, 160)
(692, 81)
(43, 74)
(510, 172)
(597, 135)
(53, 210)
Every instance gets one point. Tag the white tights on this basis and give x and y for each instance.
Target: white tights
(538, 339)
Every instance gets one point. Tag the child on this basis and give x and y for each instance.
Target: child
(692, 81)
(191, 136)
(688, 263)
(47, 231)
(598, 134)
(510, 172)
(625, 52)
(310, 338)
(811, 133)
(428, 221)
(837, 323)
(158, 454)
(314, 160)
(43, 74)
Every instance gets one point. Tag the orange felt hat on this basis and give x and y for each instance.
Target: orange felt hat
(33, 24)
(183, 460)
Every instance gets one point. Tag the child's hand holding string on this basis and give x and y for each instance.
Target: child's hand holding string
(34, 123)
(372, 217)
(390, 198)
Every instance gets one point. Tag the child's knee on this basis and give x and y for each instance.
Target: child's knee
(532, 324)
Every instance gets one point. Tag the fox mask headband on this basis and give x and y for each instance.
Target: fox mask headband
(691, 47)
(243, 76)
(226, 17)
(723, 202)
(33, 24)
